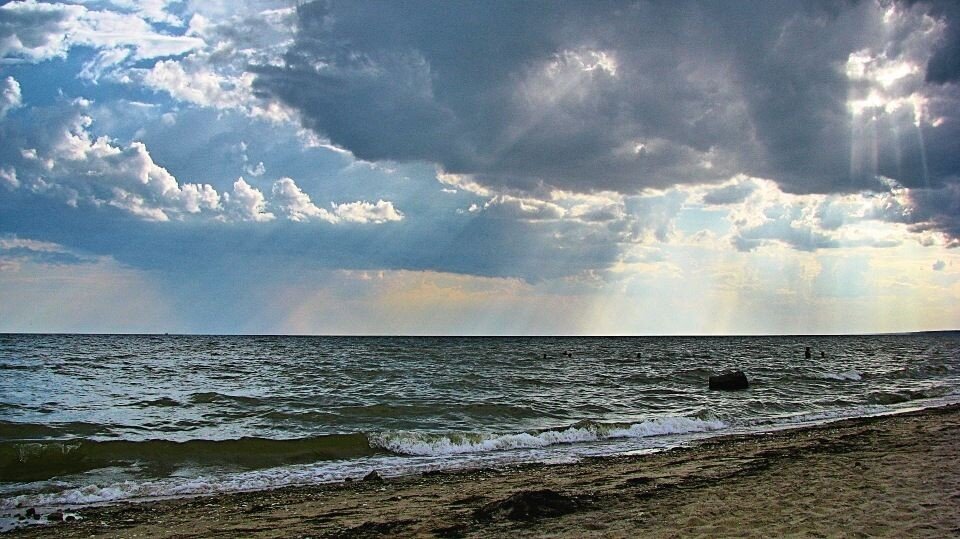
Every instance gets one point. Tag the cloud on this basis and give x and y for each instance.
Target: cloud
(944, 66)
(246, 203)
(296, 204)
(15, 251)
(366, 212)
(935, 210)
(209, 60)
(10, 96)
(217, 73)
(582, 98)
(8, 178)
(151, 10)
(762, 214)
(35, 31)
(52, 152)
(819, 98)
(939, 265)
(730, 193)
(192, 80)
(530, 209)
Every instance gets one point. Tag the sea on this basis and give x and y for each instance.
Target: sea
(94, 419)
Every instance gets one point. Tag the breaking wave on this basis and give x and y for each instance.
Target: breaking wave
(432, 444)
(46, 459)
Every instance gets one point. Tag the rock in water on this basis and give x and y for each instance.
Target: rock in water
(729, 380)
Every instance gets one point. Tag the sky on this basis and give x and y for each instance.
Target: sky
(464, 168)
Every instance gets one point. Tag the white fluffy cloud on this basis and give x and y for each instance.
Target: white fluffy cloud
(8, 177)
(363, 212)
(296, 204)
(192, 80)
(68, 162)
(298, 207)
(218, 74)
(247, 203)
(10, 96)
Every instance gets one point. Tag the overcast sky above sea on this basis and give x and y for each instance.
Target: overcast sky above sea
(478, 167)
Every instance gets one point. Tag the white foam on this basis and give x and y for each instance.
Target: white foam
(850, 375)
(428, 444)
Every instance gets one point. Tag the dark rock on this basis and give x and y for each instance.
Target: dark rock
(32, 513)
(528, 505)
(55, 516)
(729, 381)
(373, 477)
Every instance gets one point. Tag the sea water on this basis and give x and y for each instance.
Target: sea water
(88, 419)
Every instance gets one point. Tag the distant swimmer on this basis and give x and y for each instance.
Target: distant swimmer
(569, 353)
(823, 354)
(639, 355)
(808, 354)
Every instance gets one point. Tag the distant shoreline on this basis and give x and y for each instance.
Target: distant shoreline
(893, 475)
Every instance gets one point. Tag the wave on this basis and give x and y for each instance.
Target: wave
(39, 460)
(851, 376)
(23, 461)
(433, 444)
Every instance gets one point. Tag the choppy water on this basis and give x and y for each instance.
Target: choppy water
(87, 419)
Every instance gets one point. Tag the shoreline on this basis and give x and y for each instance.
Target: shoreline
(878, 475)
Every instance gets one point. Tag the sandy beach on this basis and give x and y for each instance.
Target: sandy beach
(894, 476)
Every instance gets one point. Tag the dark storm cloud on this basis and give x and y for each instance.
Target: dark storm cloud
(938, 210)
(944, 65)
(577, 95)
(625, 96)
(598, 95)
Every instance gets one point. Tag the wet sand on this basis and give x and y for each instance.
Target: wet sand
(894, 476)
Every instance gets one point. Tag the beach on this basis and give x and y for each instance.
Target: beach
(895, 475)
